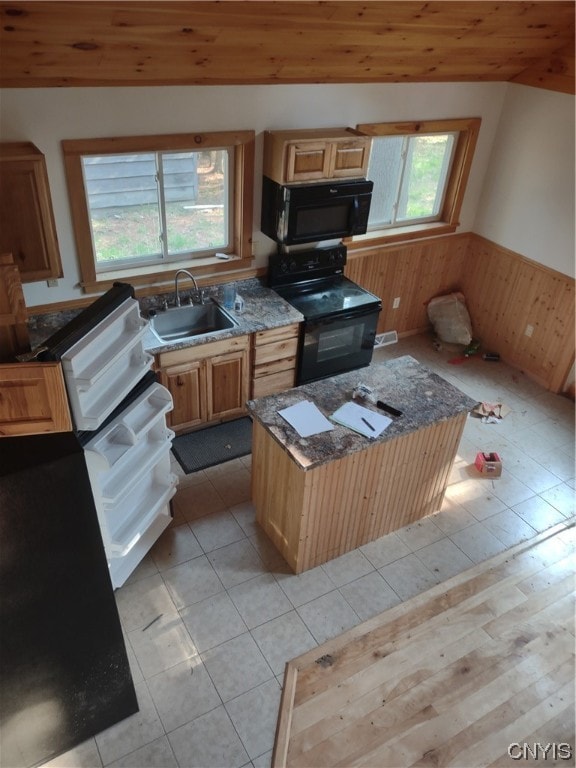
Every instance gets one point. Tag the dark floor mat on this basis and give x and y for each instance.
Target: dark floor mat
(213, 445)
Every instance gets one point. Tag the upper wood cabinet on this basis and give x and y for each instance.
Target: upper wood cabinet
(27, 228)
(315, 155)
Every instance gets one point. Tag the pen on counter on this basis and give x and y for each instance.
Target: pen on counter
(368, 424)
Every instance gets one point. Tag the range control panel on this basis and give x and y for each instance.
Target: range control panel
(290, 268)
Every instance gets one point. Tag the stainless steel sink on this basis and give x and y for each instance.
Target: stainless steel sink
(191, 321)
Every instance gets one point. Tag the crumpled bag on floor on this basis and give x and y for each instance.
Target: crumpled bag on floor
(491, 413)
(449, 316)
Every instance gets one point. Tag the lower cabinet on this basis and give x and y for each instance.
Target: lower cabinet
(33, 399)
(275, 359)
(208, 383)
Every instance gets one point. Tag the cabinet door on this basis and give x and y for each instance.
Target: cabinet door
(13, 319)
(308, 160)
(27, 227)
(33, 399)
(227, 385)
(350, 158)
(186, 384)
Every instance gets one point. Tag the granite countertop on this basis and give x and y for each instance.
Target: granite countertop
(423, 397)
(263, 309)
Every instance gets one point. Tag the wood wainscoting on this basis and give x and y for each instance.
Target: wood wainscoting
(415, 273)
(505, 293)
(315, 515)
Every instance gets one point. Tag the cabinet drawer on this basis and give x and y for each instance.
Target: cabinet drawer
(276, 334)
(270, 385)
(275, 366)
(271, 352)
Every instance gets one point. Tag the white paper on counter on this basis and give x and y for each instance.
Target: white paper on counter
(352, 415)
(306, 419)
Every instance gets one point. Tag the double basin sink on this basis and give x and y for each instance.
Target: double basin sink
(190, 321)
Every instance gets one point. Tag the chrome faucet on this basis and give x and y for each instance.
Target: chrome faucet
(176, 292)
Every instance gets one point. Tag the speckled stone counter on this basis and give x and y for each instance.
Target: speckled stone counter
(263, 309)
(423, 397)
(319, 497)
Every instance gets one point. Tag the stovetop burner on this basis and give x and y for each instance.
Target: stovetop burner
(312, 281)
(315, 298)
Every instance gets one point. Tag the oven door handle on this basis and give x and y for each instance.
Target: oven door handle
(351, 315)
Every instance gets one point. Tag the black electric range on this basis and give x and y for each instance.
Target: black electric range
(340, 317)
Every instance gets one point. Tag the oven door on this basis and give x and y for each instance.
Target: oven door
(337, 344)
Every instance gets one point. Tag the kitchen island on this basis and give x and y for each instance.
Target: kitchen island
(321, 496)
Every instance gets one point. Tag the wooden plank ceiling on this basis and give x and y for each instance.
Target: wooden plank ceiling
(47, 44)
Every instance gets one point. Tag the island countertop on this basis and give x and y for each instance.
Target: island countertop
(423, 397)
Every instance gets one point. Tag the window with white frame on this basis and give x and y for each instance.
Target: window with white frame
(415, 169)
(419, 172)
(158, 206)
(145, 205)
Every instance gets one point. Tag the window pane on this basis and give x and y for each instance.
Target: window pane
(427, 164)
(122, 198)
(196, 196)
(384, 170)
(410, 174)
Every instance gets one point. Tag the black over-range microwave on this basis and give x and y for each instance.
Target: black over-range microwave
(305, 213)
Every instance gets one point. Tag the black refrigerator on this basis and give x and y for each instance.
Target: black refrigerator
(64, 673)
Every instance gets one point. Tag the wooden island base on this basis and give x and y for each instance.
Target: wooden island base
(317, 514)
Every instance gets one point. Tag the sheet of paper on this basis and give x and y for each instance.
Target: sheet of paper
(306, 419)
(360, 419)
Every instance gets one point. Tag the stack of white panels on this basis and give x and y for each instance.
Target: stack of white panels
(102, 368)
(129, 466)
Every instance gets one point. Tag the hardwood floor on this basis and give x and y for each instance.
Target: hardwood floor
(454, 676)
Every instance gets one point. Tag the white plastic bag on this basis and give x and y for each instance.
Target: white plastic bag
(450, 318)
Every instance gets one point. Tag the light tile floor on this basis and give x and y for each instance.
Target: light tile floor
(208, 672)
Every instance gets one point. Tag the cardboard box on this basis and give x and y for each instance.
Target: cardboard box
(488, 464)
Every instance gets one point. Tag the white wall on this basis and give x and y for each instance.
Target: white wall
(528, 203)
(46, 116)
